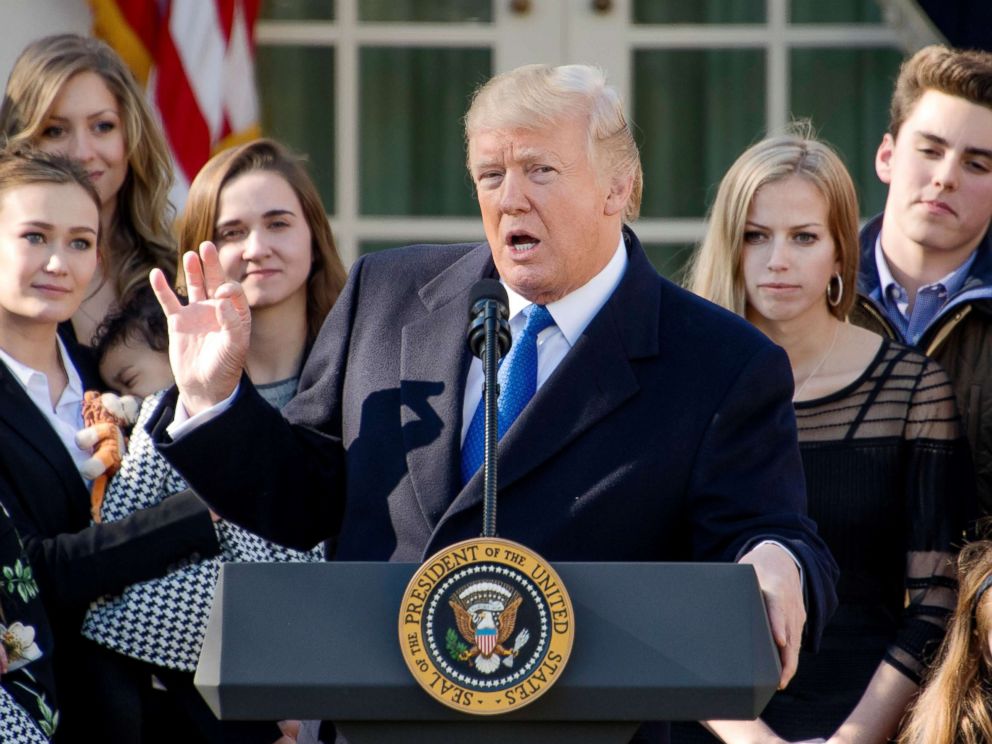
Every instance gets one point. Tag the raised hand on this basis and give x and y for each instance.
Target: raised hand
(208, 337)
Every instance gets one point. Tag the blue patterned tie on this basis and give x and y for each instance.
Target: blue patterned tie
(517, 379)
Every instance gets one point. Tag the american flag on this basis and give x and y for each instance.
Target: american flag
(196, 61)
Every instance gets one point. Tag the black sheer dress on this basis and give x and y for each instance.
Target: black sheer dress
(890, 485)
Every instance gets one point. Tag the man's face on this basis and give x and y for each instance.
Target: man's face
(551, 221)
(939, 172)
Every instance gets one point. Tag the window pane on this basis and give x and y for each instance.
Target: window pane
(699, 11)
(835, 11)
(296, 91)
(295, 10)
(668, 258)
(863, 79)
(695, 112)
(436, 11)
(411, 143)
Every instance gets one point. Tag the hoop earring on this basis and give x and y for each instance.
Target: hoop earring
(832, 300)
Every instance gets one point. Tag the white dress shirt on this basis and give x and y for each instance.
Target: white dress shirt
(66, 418)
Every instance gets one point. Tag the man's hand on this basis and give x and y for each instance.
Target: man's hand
(290, 732)
(208, 338)
(781, 587)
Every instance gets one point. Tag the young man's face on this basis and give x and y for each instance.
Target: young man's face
(939, 172)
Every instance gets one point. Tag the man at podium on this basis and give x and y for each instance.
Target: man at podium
(652, 426)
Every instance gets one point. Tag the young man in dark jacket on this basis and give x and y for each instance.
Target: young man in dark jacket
(926, 261)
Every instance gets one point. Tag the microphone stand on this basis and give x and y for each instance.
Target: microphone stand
(490, 393)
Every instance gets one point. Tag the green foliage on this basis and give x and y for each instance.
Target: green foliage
(19, 578)
(456, 647)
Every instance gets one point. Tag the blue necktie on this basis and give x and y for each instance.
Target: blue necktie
(517, 379)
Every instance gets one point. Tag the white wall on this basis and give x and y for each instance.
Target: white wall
(22, 21)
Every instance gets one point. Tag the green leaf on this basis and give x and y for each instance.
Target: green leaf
(46, 711)
(454, 644)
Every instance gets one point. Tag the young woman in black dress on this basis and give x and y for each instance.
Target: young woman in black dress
(887, 469)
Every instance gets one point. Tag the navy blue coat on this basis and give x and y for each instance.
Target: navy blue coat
(666, 434)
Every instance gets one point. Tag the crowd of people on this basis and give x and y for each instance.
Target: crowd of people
(816, 402)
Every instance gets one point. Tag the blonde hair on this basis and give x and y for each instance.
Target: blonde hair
(966, 74)
(139, 236)
(954, 706)
(540, 96)
(199, 218)
(715, 271)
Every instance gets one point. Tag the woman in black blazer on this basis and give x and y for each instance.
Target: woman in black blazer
(49, 233)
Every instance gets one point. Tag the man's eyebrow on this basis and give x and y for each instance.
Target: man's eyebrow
(487, 163)
(937, 140)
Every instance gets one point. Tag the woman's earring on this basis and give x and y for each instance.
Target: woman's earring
(834, 299)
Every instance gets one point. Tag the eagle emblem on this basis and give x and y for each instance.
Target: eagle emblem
(486, 614)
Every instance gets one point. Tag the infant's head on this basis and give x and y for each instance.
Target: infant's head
(132, 347)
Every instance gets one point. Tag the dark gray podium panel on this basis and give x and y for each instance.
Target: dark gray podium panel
(653, 641)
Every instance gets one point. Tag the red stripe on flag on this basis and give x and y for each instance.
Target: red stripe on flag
(225, 15)
(143, 18)
(185, 127)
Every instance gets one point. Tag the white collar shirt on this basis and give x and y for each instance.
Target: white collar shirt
(66, 418)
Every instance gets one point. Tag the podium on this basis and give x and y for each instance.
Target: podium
(653, 642)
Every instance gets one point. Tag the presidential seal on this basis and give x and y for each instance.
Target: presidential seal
(486, 626)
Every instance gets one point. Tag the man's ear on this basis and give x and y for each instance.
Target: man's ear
(883, 158)
(620, 190)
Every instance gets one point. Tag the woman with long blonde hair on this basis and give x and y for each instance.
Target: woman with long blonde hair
(955, 706)
(887, 470)
(74, 95)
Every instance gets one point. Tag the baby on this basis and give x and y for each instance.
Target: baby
(132, 348)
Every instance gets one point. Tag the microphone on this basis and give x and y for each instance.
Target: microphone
(489, 339)
(488, 294)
